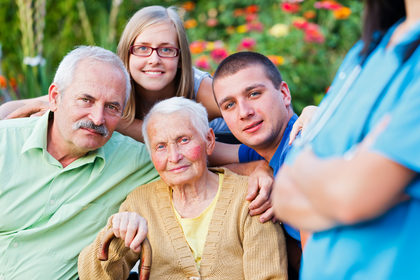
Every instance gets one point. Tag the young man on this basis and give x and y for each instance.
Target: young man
(256, 105)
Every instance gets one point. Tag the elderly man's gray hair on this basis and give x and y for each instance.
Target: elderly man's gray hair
(65, 71)
(196, 112)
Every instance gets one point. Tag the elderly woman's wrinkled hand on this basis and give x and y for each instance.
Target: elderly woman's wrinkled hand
(131, 227)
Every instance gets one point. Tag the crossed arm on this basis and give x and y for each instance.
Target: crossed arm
(316, 194)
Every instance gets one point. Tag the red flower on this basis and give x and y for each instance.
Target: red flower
(290, 7)
(219, 54)
(247, 44)
(252, 9)
(300, 23)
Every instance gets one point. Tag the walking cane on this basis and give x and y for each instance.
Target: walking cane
(146, 254)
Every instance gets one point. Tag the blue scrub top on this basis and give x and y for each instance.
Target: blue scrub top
(386, 247)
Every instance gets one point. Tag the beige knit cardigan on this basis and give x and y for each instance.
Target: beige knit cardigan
(237, 246)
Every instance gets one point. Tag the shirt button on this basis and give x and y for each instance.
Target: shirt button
(342, 75)
(52, 201)
(15, 245)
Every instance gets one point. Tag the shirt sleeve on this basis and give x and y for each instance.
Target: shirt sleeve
(246, 154)
(198, 78)
(400, 139)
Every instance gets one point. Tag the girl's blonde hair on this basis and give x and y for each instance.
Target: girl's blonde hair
(142, 19)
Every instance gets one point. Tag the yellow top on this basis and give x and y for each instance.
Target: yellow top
(196, 229)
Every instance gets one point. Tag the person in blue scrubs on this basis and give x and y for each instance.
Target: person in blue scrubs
(353, 179)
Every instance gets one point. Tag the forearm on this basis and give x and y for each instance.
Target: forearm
(9, 107)
(293, 207)
(248, 168)
(224, 154)
(352, 190)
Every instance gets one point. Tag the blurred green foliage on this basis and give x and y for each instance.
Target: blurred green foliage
(307, 66)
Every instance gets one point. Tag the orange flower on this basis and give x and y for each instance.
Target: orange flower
(13, 83)
(230, 30)
(197, 47)
(238, 12)
(252, 9)
(276, 59)
(188, 6)
(342, 13)
(191, 23)
(309, 14)
(3, 82)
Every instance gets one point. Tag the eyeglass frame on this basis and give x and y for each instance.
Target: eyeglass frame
(154, 49)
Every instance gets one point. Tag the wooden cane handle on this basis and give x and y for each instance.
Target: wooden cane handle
(146, 254)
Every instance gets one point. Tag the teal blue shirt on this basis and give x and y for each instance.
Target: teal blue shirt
(50, 213)
(386, 247)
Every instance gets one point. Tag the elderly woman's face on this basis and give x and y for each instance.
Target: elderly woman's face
(178, 151)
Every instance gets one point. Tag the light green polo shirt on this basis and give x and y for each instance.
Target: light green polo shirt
(48, 213)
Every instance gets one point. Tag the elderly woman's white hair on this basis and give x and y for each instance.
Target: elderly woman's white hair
(196, 111)
(65, 71)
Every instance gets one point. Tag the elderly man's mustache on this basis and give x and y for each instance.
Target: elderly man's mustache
(100, 129)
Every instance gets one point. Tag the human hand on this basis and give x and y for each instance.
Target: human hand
(260, 183)
(31, 109)
(302, 122)
(131, 227)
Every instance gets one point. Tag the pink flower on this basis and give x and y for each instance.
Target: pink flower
(255, 26)
(247, 44)
(203, 62)
(313, 34)
(290, 7)
(327, 5)
(219, 54)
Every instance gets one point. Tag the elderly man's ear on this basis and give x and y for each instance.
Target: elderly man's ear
(53, 96)
(211, 140)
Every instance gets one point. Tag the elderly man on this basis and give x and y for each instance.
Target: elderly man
(256, 105)
(63, 174)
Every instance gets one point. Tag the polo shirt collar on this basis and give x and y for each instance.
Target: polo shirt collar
(38, 140)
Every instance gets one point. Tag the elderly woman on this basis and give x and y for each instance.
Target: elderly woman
(197, 218)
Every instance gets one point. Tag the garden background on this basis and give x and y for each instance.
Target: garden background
(306, 39)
